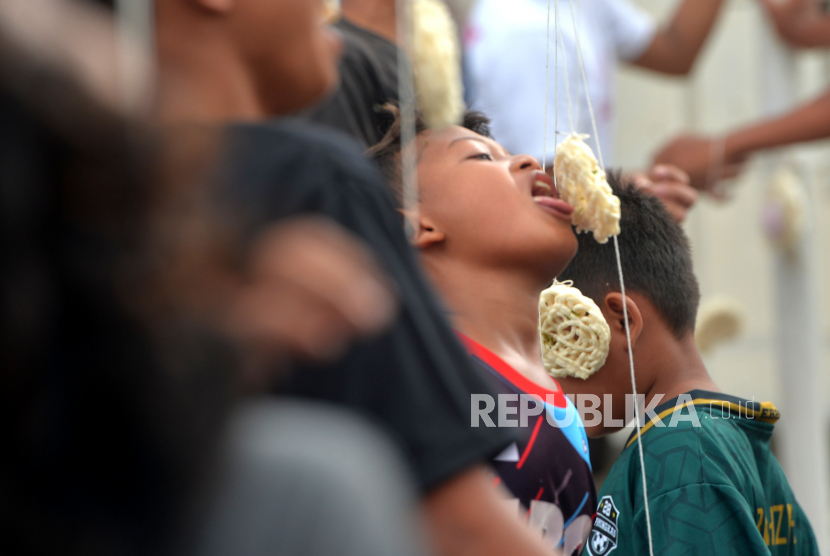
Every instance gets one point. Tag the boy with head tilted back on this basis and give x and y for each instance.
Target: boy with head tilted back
(713, 485)
(491, 234)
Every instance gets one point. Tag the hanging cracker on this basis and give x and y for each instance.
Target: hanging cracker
(574, 334)
(330, 12)
(436, 64)
(583, 184)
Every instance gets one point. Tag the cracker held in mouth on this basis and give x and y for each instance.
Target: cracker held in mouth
(574, 334)
(582, 183)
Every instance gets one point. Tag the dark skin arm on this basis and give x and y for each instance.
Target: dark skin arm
(801, 23)
(696, 155)
(675, 46)
(671, 185)
(311, 289)
(467, 517)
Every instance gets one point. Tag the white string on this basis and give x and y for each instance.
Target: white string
(555, 82)
(585, 84)
(565, 71)
(135, 49)
(547, 67)
(406, 109)
(634, 393)
(717, 160)
(622, 291)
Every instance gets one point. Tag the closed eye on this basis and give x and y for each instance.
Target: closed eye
(481, 156)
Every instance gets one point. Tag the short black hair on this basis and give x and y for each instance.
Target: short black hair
(386, 153)
(655, 255)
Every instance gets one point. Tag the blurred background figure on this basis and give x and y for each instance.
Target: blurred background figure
(128, 323)
(506, 53)
(368, 71)
(506, 50)
(707, 160)
(259, 59)
(802, 24)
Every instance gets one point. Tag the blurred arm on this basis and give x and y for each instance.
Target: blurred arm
(799, 22)
(705, 159)
(671, 185)
(312, 289)
(675, 46)
(467, 518)
(807, 122)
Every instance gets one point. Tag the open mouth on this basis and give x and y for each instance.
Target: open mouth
(545, 196)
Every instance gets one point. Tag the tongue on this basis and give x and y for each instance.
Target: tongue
(557, 204)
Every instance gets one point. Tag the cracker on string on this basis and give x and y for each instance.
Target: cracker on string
(582, 183)
(436, 64)
(574, 334)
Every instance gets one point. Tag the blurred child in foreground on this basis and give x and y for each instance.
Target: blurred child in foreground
(259, 58)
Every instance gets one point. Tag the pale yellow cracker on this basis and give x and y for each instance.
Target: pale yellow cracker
(574, 334)
(583, 184)
(436, 64)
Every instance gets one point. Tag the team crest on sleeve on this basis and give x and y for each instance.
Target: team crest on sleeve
(603, 538)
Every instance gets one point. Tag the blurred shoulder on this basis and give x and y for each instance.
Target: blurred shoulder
(298, 148)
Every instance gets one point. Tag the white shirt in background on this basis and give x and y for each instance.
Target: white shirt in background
(505, 51)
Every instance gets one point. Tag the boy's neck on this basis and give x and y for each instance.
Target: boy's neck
(499, 310)
(377, 16)
(202, 81)
(676, 366)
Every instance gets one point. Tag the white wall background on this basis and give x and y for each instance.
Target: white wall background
(731, 254)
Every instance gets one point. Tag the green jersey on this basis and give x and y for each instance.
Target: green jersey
(714, 487)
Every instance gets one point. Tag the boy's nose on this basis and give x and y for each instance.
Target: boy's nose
(524, 162)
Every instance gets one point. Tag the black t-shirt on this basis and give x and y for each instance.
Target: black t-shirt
(368, 80)
(415, 379)
(104, 439)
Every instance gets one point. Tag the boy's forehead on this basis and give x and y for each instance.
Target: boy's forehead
(437, 142)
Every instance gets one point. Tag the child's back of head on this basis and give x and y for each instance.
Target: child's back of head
(655, 255)
(660, 304)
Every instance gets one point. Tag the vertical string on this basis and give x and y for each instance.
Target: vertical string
(555, 83)
(567, 79)
(547, 67)
(622, 292)
(406, 103)
(717, 158)
(136, 53)
(585, 84)
(634, 393)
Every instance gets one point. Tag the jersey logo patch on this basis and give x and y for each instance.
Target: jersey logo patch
(603, 537)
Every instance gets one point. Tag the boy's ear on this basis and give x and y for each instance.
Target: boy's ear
(215, 6)
(616, 320)
(426, 232)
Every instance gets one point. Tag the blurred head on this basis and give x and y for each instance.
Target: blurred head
(283, 46)
(661, 290)
(480, 204)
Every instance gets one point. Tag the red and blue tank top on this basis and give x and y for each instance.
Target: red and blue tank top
(549, 469)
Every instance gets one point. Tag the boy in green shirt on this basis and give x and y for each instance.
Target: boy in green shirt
(714, 487)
